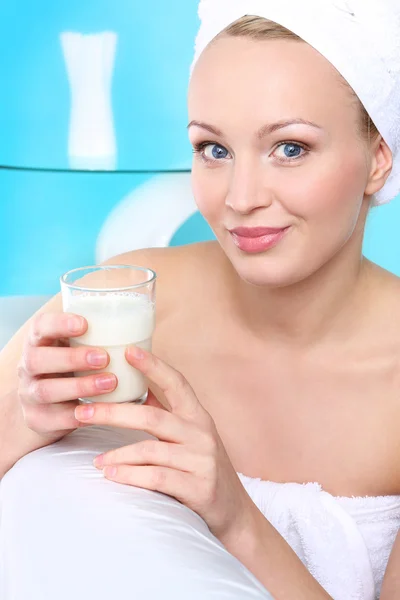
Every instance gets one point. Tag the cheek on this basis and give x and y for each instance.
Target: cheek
(329, 194)
(209, 192)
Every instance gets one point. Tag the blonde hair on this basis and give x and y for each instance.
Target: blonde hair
(258, 28)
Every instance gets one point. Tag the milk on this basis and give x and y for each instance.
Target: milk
(115, 320)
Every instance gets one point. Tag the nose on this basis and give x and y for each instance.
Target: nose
(247, 190)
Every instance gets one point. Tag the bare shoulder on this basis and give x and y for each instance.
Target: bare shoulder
(179, 269)
(164, 259)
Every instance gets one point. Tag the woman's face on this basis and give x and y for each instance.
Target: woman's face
(280, 169)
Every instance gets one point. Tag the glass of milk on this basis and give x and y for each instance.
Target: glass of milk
(118, 302)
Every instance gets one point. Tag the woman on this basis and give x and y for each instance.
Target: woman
(289, 338)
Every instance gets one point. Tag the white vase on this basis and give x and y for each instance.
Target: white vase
(90, 62)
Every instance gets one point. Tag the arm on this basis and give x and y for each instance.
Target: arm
(391, 583)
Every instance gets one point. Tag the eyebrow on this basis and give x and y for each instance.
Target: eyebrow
(263, 131)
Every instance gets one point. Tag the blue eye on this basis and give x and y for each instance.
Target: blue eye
(291, 150)
(214, 152)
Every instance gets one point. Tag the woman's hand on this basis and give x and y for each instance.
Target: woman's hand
(47, 388)
(188, 460)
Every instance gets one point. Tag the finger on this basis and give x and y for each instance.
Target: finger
(152, 401)
(46, 360)
(150, 452)
(48, 327)
(171, 382)
(155, 421)
(159, 479)
(51, 418)
(62, 389)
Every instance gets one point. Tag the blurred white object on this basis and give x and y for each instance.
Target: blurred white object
(90, 63)
(67, 532)
(148, 217)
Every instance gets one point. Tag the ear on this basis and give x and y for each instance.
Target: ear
(381, 166)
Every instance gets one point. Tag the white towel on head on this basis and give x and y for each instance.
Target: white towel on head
(361, 38)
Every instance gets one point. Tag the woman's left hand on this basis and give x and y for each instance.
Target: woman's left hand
(188, 460)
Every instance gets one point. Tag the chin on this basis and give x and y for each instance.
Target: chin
(268, 279)
(263, 271)
(282, 266)
(274, 269)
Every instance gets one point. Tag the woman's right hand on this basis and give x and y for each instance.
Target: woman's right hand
(47, 389)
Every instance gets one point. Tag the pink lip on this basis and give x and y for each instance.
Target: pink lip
(252, 232)
(257, 239)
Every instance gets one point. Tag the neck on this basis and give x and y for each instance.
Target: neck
(327, 305)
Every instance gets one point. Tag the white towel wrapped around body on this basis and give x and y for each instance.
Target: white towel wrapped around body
(345, 543)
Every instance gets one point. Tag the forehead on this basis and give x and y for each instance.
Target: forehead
(267, 79)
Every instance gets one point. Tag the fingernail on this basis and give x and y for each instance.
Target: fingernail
(98, 461)
(137, 352)
(84, 412)
(110, 471)
(75, 324)
(96, 358)
(105, 382)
